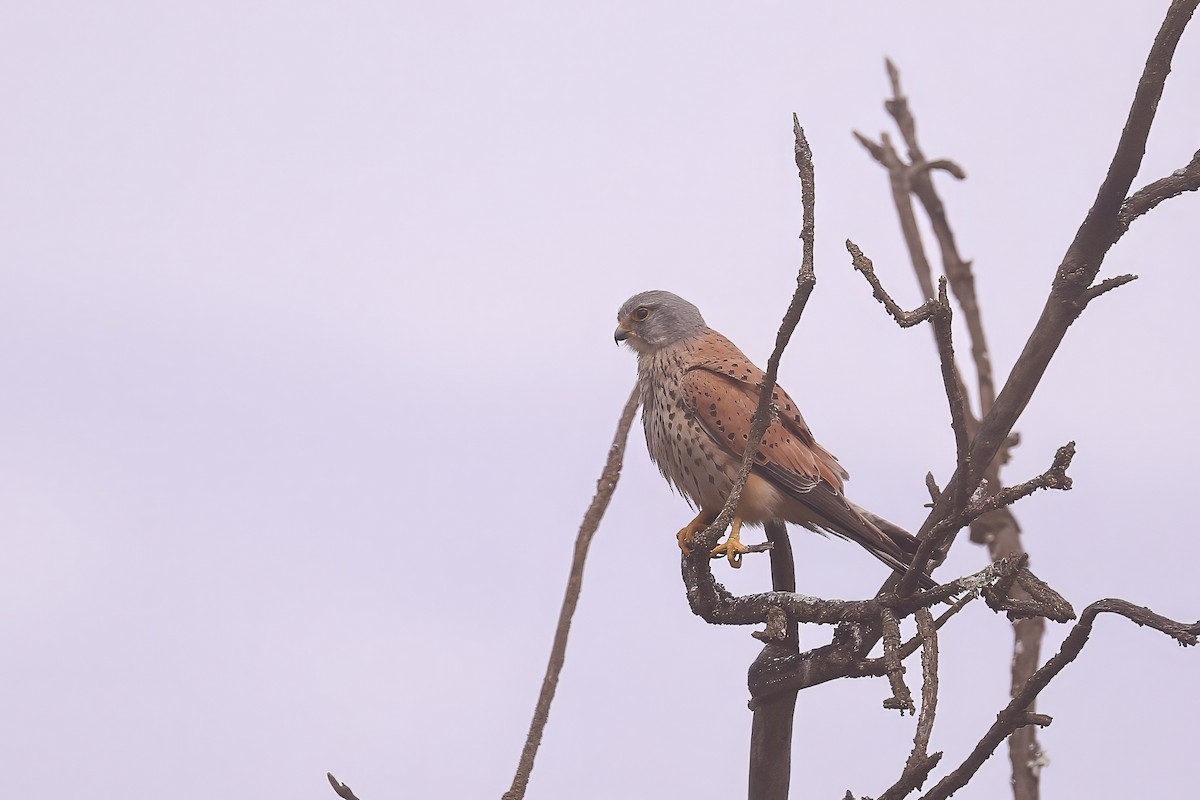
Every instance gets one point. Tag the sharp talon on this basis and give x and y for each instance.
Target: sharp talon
(733, 547)
(731, 550)
(684, 538)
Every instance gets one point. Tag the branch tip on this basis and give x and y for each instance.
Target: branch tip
(1107, 285)
(342, 789)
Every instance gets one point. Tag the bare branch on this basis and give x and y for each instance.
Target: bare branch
(1031, 599)
(605, 487)
(772, 723)
(905, 319)
(901, 698)
(1053, 478)
(1016, 714)
(920, 763)
(957, 269)
(756, 609)
(956, 397)
(1107, 285)
(1071, 292)
(899, 176)
(342, 789)
(929, 689)
(806, 280)
(938, 312)
(771, 727)
(1186, 179)
(934, 489)
(942, 164)
(877, 666)
(846, 655)
(1085, 256)
(940, 315)
(761, 547)
(707, 598)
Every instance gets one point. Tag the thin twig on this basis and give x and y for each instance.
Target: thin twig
(938, 312)
(878, 666)
(905, 319)
(1107, 285)
(929, 691)
(605, 487)
(771, 727)
(901, 698)
(1053, 478)
(1016, 714)
(957, 269)
(934, 489)
(956, 397)
(1186, 179)
(702, 588)
(342, 789)
(920, 763)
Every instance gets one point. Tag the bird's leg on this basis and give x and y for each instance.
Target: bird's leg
(733, 547)
(702, 521)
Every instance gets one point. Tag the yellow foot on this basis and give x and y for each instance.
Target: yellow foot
(684, 537)
(733, 547)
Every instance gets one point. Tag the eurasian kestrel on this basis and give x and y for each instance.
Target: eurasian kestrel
(699, 393)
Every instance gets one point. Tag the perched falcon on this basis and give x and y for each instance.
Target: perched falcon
(699, 393)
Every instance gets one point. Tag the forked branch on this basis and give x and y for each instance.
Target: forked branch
(1016, 715)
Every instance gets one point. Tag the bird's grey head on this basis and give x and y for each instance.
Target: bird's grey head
(653, 320)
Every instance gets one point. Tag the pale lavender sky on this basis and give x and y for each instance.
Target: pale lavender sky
(305, 342)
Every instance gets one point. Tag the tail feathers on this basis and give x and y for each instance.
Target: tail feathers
(901, 567)
(904, 542)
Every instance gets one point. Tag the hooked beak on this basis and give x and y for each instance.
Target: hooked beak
(621, 334)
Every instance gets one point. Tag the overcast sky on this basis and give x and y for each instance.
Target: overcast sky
(306, 317)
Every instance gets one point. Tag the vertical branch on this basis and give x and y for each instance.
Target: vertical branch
(771, 728)
(957, 269)
(806, 280)
(920, 763)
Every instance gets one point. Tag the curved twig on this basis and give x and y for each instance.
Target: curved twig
(1016, 715)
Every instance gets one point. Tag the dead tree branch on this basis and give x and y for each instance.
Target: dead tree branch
(940, 316)
(877, 666)
(1053, 478)
(1107, 285)
(1018, 713)
(605, 487)
(771, 725)
(1185, 179)
(999, 529)
(956, 268)
(901, 698)
(1072, 289)
(806, 280)
(920, 762)
(1099, 231)
(343, 791)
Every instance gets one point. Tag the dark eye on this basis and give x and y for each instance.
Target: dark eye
(640, 313)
